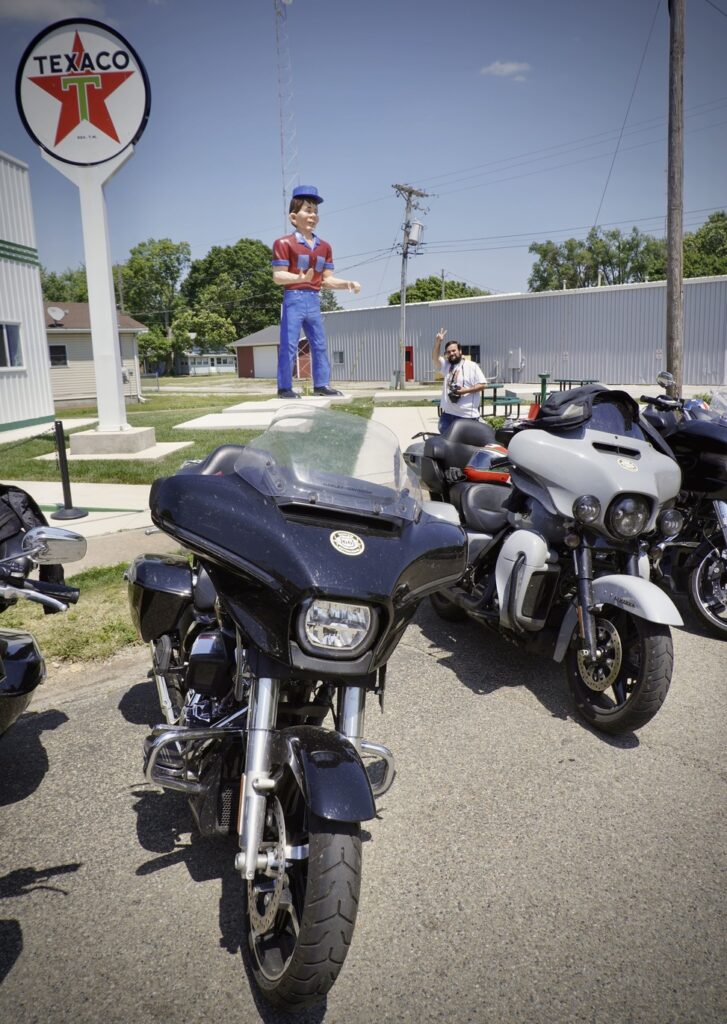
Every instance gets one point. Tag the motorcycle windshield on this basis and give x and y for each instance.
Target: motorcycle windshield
(331, 460)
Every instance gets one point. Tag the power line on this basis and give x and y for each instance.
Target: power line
(628, 108)
(723, 13)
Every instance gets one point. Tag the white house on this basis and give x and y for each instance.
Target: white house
(70, 352)
(25, 389)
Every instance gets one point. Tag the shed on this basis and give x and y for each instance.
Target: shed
(257, 354)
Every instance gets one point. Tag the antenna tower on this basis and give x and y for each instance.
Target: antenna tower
(288, 139)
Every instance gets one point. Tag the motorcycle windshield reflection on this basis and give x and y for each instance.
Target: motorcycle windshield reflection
(332, 460)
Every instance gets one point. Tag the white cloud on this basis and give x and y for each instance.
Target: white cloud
(507, 69)
(50, 10)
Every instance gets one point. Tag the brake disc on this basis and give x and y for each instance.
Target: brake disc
(264, 891)
(598, 675)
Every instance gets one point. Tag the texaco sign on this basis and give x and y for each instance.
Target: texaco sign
(82, 92)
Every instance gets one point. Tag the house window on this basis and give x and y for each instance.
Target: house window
(338, 358)
(11, 353)
(58, 355)
(473, 351)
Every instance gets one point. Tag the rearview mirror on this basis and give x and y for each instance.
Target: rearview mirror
(48, 545)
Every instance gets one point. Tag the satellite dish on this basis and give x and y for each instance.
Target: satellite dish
(55, 313)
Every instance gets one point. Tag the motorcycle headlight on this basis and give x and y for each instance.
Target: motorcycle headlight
(670, 522)
(337, 629)
(628, 516)
(587, 508)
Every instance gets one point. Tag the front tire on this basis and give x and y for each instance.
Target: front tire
(629, 683)
(708, 591)
(297, 959)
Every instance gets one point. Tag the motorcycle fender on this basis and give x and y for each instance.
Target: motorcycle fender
(633, 594)
(328, 770)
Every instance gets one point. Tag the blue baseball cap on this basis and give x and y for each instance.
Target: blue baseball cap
(307, 192)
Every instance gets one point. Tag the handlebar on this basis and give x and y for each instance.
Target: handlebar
(7, 593)
(662, 400)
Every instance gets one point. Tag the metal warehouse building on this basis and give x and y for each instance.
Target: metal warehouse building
(616, 334)
(25, 388)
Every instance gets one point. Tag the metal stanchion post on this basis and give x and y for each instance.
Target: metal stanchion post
(67, 511)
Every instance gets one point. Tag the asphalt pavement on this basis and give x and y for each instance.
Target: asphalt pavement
(523, 868)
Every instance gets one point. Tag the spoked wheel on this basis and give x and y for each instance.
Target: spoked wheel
(625, 687)
(446, 609)
(302, 910)
(708, 591)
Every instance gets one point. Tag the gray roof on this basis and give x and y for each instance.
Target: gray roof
(267, 336)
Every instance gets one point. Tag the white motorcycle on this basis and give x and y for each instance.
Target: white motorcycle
(558, 553)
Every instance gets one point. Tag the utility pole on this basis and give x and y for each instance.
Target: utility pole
(288, 139)
(412, 238)
(442, 285)
(675, 199)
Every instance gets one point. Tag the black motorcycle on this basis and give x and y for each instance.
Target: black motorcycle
(694, 563)
(310, 550)
(25, 546)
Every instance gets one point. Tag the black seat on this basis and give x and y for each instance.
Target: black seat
(456, 446)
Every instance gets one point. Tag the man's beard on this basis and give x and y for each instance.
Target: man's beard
(453, 360)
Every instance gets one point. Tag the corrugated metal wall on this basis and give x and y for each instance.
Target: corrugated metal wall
(25, 392)
(616, 334)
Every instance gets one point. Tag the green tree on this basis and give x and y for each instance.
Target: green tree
(152, 278)
(211, 331)
(705, 250)
(236, 283)
(429, 289)
(329, 302)
(68, 286)
(155, 348)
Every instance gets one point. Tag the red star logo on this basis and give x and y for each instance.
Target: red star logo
(82, 95)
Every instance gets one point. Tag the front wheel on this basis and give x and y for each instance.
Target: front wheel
(708, 591)
(629, 682)
(301, 916)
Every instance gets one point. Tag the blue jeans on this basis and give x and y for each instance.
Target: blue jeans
(302, 310)
(446, 419)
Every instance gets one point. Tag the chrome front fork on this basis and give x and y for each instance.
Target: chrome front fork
(583, 564)
(257, 781)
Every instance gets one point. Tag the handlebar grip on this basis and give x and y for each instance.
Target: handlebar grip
(59, 591)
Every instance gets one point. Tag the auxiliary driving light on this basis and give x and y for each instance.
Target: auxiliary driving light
(337, 628)
(587, 508)
(670, 522)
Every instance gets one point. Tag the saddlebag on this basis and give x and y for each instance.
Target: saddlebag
(160, 588)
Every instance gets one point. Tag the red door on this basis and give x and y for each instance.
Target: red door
(409, 362)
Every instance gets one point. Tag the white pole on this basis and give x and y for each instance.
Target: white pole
(102, 304)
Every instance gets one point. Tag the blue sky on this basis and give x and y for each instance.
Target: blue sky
(508, 113)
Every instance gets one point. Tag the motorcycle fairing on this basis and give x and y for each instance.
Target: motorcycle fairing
(633, 594)
(328, 770)
(265, 559)
(22, 669)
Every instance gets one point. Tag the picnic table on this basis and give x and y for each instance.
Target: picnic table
(506, 401)
(566, 383)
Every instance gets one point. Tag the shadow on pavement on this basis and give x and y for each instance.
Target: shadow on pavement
(140, 705)
(23, 758)
(11, 946)
(484, 663)
(164, 822)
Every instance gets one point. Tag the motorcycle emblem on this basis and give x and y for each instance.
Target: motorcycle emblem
(629, 465)
(347, 543)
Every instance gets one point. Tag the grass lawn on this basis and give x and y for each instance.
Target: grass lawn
(18, 460)
(94, 629)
